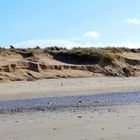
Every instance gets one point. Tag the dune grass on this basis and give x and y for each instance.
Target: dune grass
(89, 55)
(81, 55)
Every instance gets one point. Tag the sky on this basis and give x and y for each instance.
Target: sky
(70, 23)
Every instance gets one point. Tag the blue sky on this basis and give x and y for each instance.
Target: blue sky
(69, 23)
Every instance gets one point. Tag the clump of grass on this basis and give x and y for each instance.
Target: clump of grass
(20, 51)
(89, 55)
(117, 49)
(55, 48)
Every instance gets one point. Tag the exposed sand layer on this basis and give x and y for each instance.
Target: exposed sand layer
(34, 64)
(67, 87)
(111, 123)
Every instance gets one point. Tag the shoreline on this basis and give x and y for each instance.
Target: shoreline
(70, 103)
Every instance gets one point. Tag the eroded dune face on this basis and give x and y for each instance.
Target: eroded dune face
(32, 64)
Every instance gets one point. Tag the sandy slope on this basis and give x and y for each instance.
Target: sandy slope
(123, 123)
(34, 64)
(67, 87)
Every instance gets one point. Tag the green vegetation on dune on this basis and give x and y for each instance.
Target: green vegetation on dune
(108, 61)
(102, 56)
(91, 55)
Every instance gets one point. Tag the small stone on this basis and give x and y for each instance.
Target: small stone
(79, 117)
(54, 128)
(129, 127)
(80, 101)
(96, 102)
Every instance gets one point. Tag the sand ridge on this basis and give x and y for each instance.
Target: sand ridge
(36, 63)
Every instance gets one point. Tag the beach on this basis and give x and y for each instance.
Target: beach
(70, 70)
(122, 123)
(99, 108)
(67, 87)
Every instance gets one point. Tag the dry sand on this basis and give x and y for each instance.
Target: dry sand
(120, 122)
(67, 87)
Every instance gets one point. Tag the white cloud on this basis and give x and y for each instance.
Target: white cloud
(47, 43)
(68, 43)
(72, 43)
(126, 44)
(129, 44)
(133, 20)
(92, 35)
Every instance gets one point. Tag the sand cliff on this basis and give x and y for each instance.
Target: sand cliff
(33, 64)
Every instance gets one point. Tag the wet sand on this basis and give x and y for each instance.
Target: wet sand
(69, 103)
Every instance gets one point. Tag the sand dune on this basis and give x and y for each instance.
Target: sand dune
(34, 64)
